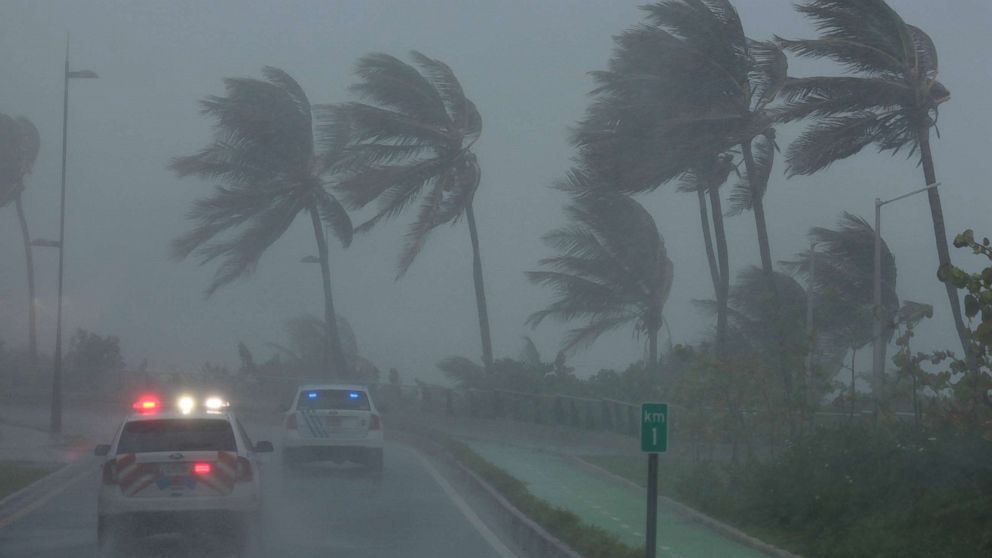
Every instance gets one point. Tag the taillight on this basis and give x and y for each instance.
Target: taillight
(244, 470)
(202, 468)
(291, 422)
(375, 423)
(110, 472)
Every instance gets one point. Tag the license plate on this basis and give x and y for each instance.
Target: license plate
(172, 469)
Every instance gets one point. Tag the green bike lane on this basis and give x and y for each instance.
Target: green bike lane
(610, 504)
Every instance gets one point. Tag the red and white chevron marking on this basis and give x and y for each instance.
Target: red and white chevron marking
(225, 472)
(133, 477)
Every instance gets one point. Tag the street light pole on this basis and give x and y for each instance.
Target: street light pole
(56, 410)
(877, 364)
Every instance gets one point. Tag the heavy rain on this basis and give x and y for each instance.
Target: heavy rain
(457, 279)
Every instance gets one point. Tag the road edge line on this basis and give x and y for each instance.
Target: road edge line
(464, 507)
(32, 505)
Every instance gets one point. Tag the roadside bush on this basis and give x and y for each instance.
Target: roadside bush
(859, 491)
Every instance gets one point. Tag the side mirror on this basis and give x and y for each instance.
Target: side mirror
(264, 447)
(101, 450)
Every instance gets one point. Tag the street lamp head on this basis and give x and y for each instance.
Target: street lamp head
(82, 74)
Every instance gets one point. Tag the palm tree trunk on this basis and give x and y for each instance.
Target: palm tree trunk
(940, 235)
(29, 259)
(708, 242)
(480, 291)
(758, 205)
(333, 354)
(854, 391)
(723, 292)
(652, 366)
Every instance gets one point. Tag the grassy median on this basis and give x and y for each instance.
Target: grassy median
(587, 540)
(15, 475)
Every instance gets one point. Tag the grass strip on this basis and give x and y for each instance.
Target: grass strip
(588, 540)
(15, 475)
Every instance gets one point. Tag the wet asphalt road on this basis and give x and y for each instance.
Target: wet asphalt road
(324, 511)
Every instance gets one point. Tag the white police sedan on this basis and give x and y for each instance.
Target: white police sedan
(333, 422)
(187, 469)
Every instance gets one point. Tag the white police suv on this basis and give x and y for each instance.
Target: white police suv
(333, 422)
(191, 468)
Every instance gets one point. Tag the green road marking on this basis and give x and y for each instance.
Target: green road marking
(607, 504)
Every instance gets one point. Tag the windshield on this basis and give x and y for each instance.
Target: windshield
(333, 400)
(177, 435)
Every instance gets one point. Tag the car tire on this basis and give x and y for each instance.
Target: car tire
(290, 460)
(110, 537)
(374, 460)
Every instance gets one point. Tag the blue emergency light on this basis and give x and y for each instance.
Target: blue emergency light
(312, 395)
(353, 395)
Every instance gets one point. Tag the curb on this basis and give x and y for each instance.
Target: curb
(525, 533)
(16, 505)
(698, 516)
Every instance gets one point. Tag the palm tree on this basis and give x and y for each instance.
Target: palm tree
(842, 284)
(19, 145)
(681, 91)
(891, 100)
(263, 155)
(612, 270)
(413, 139)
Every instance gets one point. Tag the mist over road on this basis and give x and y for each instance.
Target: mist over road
(318, 511)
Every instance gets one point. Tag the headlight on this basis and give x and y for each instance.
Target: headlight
(186, 404)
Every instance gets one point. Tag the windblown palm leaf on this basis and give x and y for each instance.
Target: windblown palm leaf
(611, 269)
(268, 171)
(843, 281)
(411, 143)
(893, 94)
(411, 140)
(263, 155)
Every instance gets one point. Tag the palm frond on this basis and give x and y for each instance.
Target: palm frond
(389, 82)
(863, 35)
(767, 74)
(820, 97)
(829, 140)
(463, 114)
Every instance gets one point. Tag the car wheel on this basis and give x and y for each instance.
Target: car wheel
(110, 537)
(375, 460)
(290, 460)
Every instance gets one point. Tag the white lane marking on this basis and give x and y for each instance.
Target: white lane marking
(466, 510)
(33, 506)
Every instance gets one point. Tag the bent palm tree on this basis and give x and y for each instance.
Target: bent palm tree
(263, 155)
(891, 101)
(843, 284)
(413, 140)
(681, 91)
(612, 269)
(19, 145)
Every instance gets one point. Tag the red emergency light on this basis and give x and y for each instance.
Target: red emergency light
(147, 404)
(202, 468)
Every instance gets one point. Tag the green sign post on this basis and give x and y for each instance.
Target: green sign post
(654, 440)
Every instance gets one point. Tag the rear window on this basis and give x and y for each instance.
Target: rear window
(333, 399)
(177, 435)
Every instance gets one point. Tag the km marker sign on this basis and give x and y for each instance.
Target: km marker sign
(654, 440)
(654, 427)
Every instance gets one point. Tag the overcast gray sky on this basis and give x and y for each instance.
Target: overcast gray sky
(525, 65)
